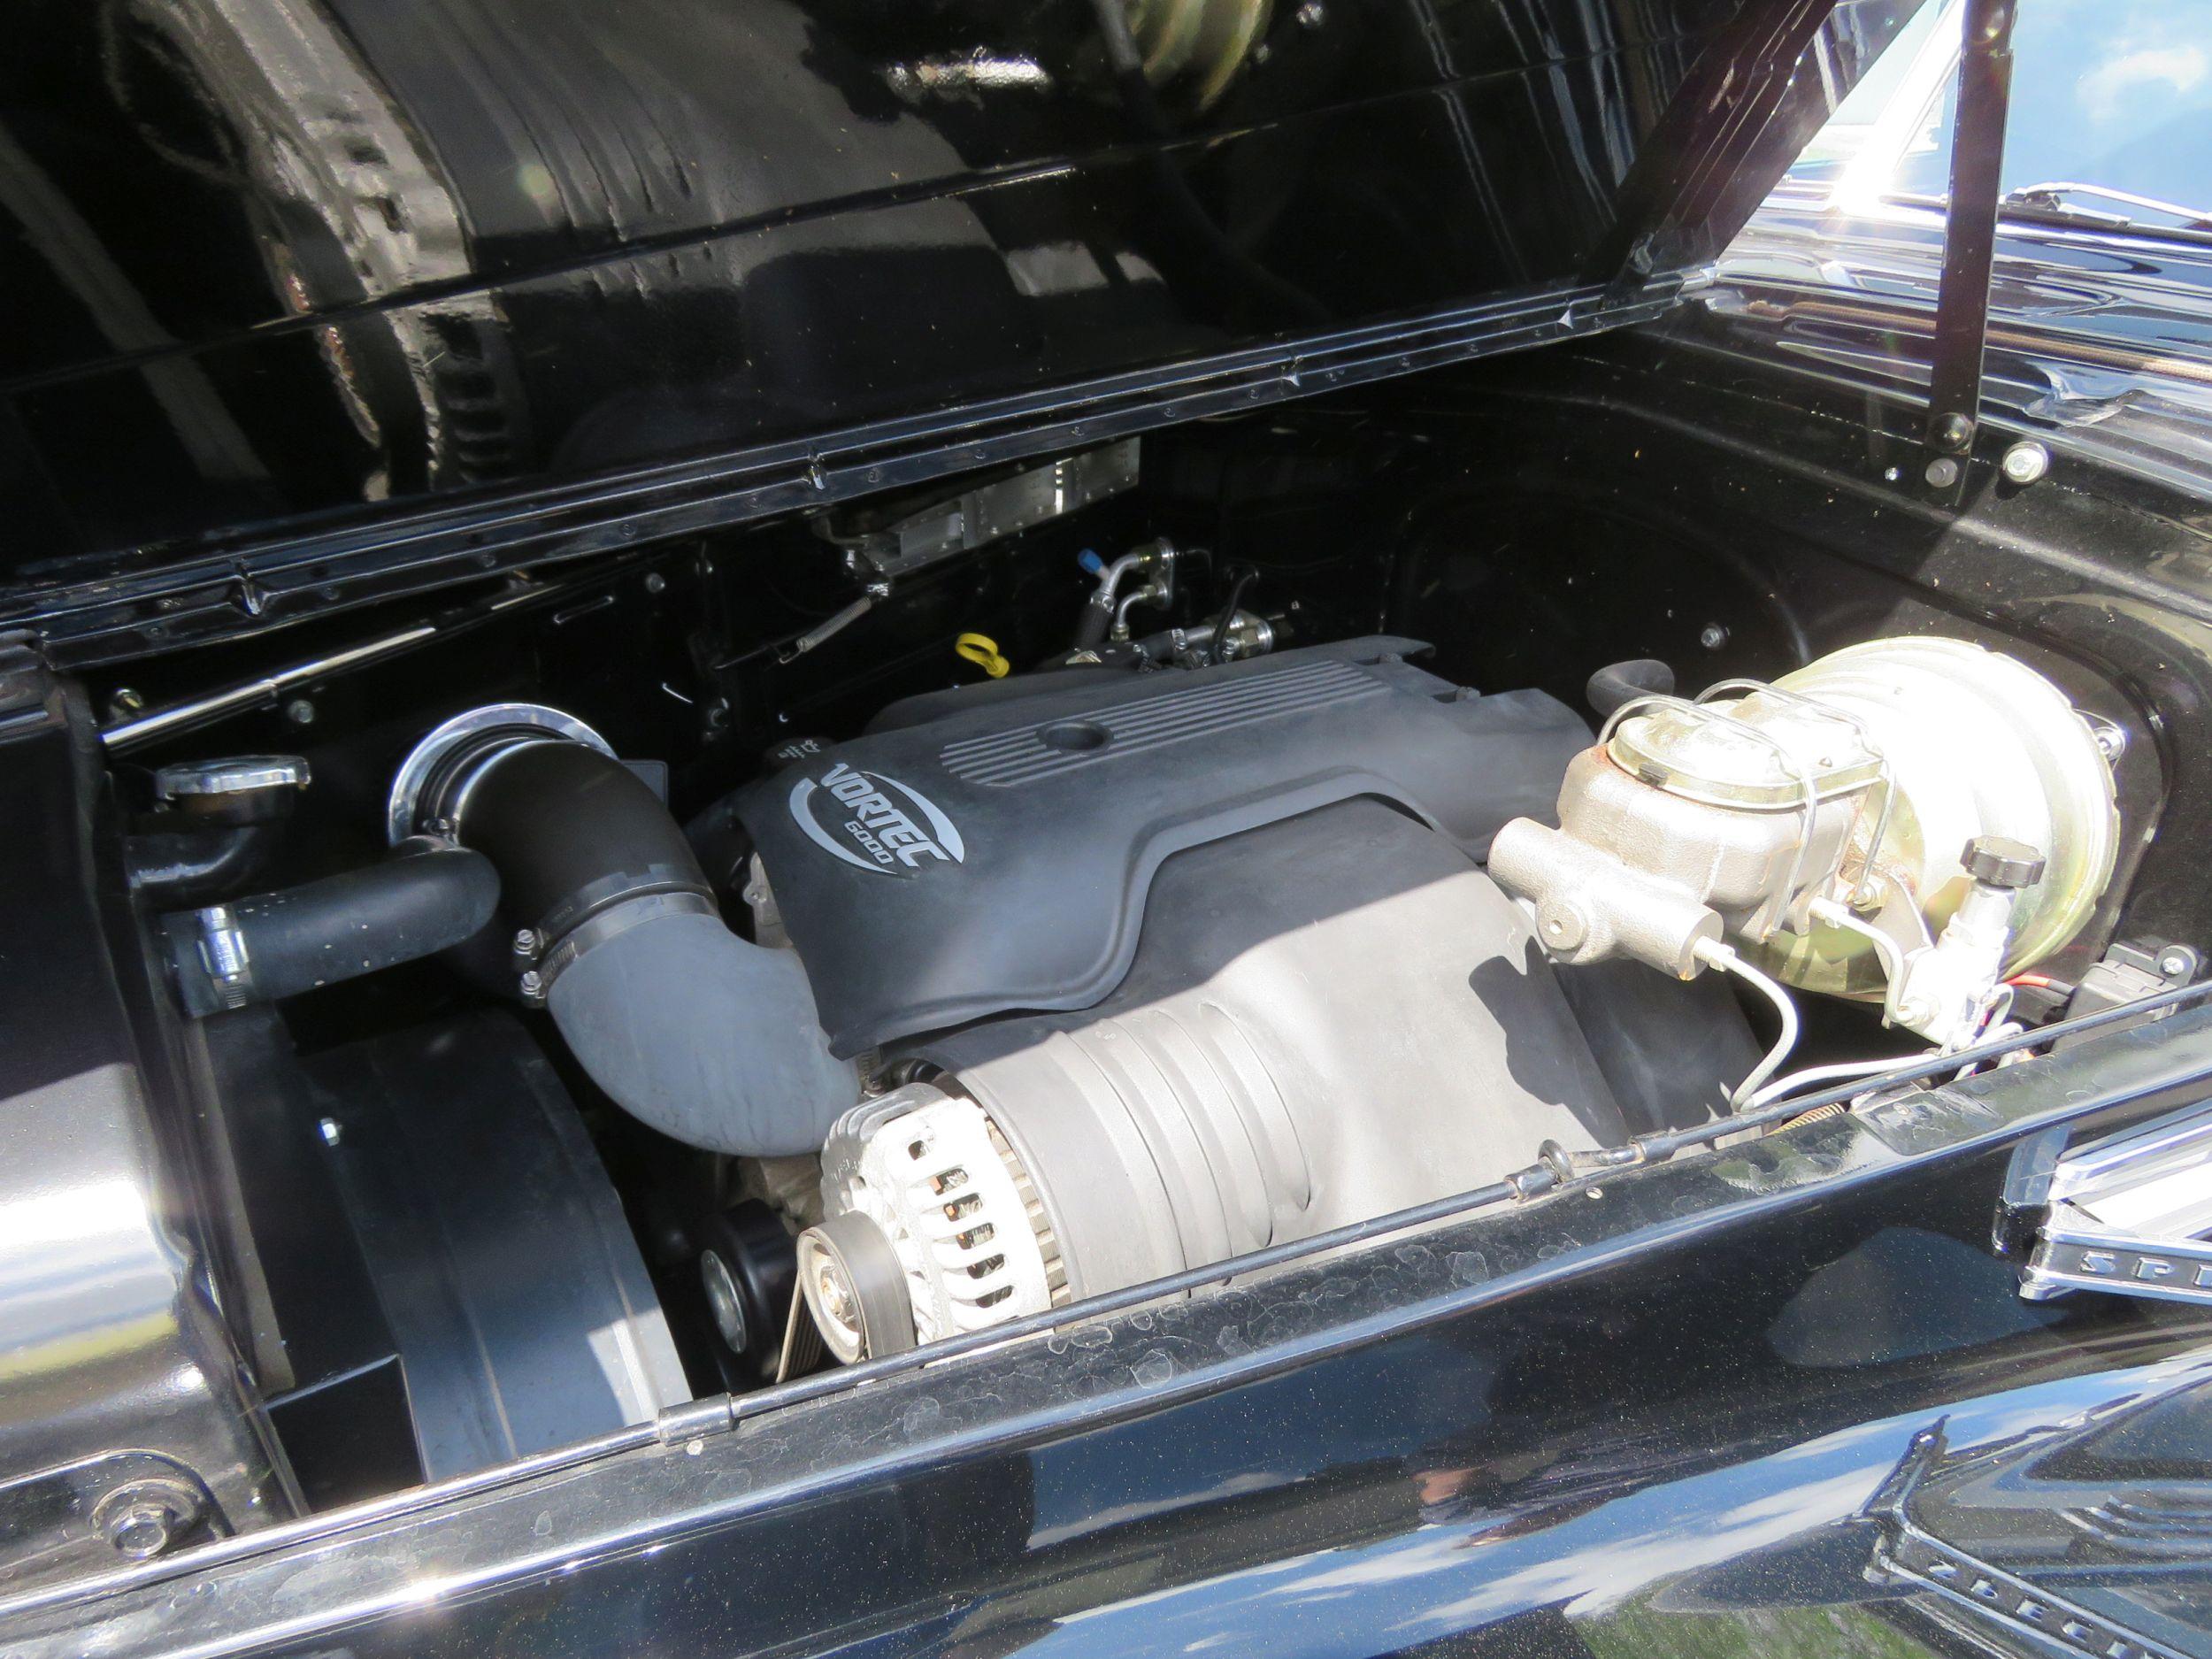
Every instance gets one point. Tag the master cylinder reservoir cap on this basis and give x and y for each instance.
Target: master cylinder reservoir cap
(2002, 862)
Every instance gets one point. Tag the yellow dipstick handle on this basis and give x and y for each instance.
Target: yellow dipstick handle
(982, 650)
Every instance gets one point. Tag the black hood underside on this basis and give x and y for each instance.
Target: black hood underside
(317, 302)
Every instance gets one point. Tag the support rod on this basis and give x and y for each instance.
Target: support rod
(1970, 247)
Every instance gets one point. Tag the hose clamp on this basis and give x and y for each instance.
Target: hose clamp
(603, 924)
(221, 948)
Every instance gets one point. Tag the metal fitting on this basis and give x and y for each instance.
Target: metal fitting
(2025, 462)
(2111, 735)
(222, 947)
(144, 1518)
(237, 774)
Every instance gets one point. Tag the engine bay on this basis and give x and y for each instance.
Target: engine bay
(1107, 825)
(683, 982)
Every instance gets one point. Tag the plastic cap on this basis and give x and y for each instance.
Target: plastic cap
(2002, 862)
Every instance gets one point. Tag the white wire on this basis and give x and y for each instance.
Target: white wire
(1714, 954)
(1782, 1086)
(1836, 1073)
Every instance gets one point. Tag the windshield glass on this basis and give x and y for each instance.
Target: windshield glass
(2110, 93)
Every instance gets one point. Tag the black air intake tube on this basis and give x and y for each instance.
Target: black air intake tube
(689, 1028)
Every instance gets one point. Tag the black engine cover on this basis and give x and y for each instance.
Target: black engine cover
(998, 856)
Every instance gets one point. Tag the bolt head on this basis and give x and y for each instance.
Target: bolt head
(534, 984)
(143, 1519)
(141, 1531)
(655, 582)
(2177, 962)
(299, 711)
(2025, 462)
(1954, 431)
(840, 1301)
(1312, 15)
(1942, 473)
(1712, 636)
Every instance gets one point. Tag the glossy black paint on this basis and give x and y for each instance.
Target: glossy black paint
(1504, 1437)
(284, 269)
(1553, 511)
(134, 1374)
(1663, 1414)
(1672, 1456)
(1567, 1443)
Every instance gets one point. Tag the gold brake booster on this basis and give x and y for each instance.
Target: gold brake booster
(1912, 820)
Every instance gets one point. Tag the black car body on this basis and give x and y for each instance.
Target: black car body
(749, 385)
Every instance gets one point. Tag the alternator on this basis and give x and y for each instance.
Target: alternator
(933, 1228)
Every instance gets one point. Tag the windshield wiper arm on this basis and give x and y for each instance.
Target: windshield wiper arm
(2053, 198)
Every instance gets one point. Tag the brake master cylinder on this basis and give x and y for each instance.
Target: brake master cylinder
(1912, 820)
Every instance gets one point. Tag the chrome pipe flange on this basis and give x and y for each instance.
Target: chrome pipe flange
(431, 786)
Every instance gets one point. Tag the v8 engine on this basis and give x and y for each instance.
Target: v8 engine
(1174, 970)
(1080, 980)
(1156, 966)
(1085, 978)
(1178, 970)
